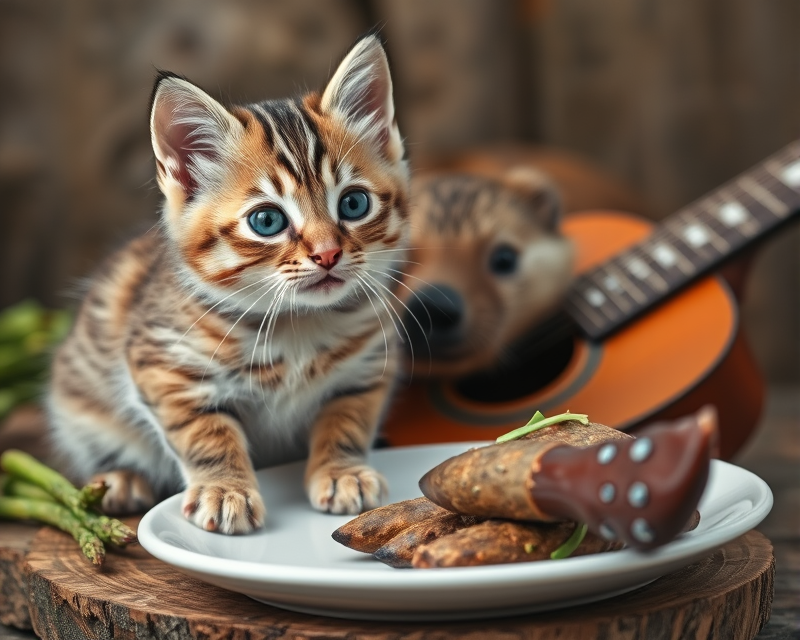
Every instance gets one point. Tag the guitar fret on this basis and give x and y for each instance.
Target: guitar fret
(789, 195)
(643, 271)
(732, 214)
(685, 263)
(761, 216)
(631, 289)
(586, 311)
(614, 289)
(712, 215)
(716, 240)
(598, 300)
(777, 207)
(696, 237)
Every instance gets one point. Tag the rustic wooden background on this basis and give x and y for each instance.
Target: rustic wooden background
(672, 96)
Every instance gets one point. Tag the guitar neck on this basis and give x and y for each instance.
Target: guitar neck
(687, 245)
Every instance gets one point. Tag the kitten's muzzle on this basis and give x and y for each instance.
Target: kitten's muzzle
(435, 321)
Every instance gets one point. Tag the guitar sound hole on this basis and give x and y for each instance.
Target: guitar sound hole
(521, 379)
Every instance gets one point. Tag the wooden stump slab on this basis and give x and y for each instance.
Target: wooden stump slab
(727, 596)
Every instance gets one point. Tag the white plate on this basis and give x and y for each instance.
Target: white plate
(295, 564)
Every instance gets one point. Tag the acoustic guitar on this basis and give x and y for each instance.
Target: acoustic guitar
(645, 332)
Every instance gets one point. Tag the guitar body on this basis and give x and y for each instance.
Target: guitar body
(683, 354)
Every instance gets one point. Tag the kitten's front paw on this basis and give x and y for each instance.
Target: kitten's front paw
(224, 507)
(128, 492)
(345, 489)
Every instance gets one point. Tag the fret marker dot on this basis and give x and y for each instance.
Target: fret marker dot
(595, 297)
(639, 268)
(665, 256)
(606, 453)
(607, 493)
(642, 531)
(732, 214)
(612, 284)
(791, 174)
(638, 495)
(696, 235)
(641, 449)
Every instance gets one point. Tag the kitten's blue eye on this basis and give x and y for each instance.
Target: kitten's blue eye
(267, 221)
(354, 205)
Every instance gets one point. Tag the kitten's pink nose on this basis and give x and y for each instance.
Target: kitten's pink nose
(327, 259)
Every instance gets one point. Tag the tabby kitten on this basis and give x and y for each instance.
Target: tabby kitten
(253, 326)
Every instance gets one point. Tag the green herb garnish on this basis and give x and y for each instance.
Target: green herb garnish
(529, 547)
(572, 543)
(538, 421)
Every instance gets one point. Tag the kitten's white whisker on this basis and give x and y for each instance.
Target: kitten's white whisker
(425, 282)
(369, 253)
(419, 324)
(232, 327)
(413, 293)
(383, 330)
(280, 296)
(272, 313)
(210, 309)
(390, 308)
(385, 306)
(255, 346)
(395, 261)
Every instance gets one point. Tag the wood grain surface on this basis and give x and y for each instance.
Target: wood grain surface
(727, 596)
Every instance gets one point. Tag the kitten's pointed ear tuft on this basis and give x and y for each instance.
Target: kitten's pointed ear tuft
(190, 132)
(539, 191)
(360, 91)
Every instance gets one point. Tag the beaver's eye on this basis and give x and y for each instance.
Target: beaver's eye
(503, 260)
(354, 205)
(267, 221)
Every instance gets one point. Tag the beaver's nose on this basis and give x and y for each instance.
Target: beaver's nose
(439, 310)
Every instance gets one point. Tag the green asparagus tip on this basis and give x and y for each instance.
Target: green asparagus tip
(92, 493)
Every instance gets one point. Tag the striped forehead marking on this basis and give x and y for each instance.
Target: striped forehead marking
(292, 134)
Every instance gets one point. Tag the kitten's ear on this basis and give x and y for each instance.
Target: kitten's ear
(539, 191)
(361, 92)
(190, 132)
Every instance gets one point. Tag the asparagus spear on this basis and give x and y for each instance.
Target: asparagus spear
(57, 516)
(16, 488)
(92, 493)
(27, 469)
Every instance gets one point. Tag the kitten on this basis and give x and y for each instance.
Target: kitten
(253, 326)
(487, 264)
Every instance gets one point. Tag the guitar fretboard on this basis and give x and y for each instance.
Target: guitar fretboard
(687, 245)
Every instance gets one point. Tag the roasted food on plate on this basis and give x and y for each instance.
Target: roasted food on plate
(556, 487)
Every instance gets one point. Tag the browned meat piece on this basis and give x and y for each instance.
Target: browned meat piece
(373, 529)
(641, 491)
(400, 549)
(504, 542)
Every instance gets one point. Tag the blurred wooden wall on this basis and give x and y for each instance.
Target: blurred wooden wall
(672, 96)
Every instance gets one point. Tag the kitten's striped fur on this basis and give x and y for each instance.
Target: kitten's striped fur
(203, 349)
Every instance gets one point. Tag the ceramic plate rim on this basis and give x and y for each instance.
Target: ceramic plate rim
(585, 566)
